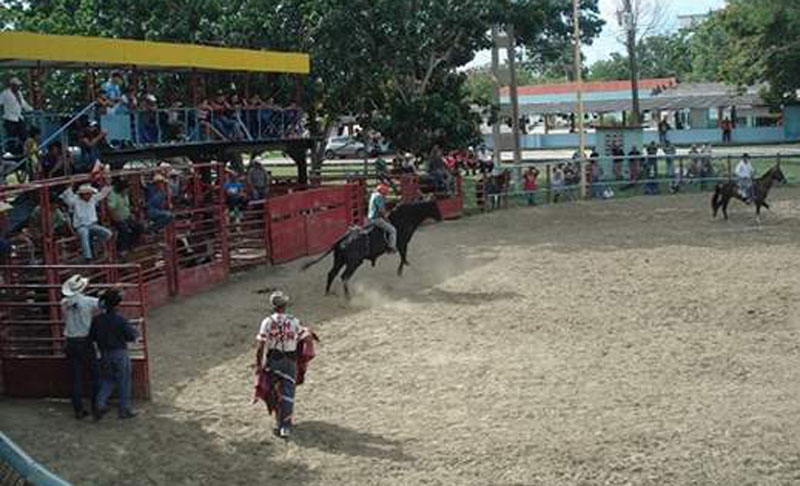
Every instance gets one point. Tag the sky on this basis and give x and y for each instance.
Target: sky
(607, 42)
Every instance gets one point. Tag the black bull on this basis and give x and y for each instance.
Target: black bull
(352, 249)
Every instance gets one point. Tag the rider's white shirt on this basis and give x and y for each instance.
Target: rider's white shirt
(744, 170)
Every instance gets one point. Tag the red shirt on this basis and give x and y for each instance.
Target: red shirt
(529, 182)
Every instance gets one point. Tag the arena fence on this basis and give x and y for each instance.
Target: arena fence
(635, 176)
(19, 469)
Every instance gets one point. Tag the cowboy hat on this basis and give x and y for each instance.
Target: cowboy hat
(87, 188)
(15, 81)
(278, 299)
(4, 206)
(74, 285)
(159, 177)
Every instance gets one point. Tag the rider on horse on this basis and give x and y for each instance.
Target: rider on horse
(379, 216)
(745, 172)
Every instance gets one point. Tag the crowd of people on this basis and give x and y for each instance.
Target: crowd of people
(122, 116)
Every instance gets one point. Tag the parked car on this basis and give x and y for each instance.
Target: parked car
(342, 147)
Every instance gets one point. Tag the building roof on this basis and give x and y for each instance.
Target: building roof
(591, 87)
(26, 49)
(679, 96)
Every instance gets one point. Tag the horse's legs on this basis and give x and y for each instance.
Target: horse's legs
(338, 263)
(725, 200)
(758, 212)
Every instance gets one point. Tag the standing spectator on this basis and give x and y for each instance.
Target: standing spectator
(113, 89)
(557, 182)
(111, 333)
(727, 129)
(529, 185)
(669, 158)
(618, 156)
(663, 128)
(158, 203)
(32, 154)
(119, 205)
(84, 215)
(706, 165)
(14, 124)
(436, 168)
(128, 102)
(90, 140)
(77, 310)
(651, 169)
(236, 195)
(258, 179)
(148, 121)
(634, 164)
(56, 162)
(694, 162)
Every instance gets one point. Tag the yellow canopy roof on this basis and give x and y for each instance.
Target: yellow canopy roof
(26, 49)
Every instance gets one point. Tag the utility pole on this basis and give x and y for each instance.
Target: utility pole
(496, 94)
(628, 21)
(512, 66)
(579, 84)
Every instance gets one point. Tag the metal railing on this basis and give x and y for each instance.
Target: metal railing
(18, 469)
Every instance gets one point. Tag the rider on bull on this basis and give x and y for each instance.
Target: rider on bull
(744, 172)
(379, 216)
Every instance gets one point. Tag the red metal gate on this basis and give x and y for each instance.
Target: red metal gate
(31, 327)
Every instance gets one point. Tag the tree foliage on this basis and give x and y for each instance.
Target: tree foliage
(393, 63)
(659, 56)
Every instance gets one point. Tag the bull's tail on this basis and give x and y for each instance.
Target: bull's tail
(318, 259)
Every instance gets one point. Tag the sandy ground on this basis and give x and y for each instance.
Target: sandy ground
(622, 342)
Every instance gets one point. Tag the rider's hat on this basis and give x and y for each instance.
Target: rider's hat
(278, 299)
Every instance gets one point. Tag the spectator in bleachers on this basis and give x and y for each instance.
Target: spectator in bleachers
(222, 117)
(77, 310)
(14, 104)
(128, 229)
(32, 168)
(84, 215)
(104, 104)
(56, 162)
(90, 140)
(205, 115)
(113, 88)
(148, 120)
(128, 102)
(158, 203)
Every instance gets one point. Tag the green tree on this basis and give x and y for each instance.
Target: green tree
(659, 56)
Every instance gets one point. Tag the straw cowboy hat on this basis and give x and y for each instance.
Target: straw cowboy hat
(87, 189)
(74, 285)
(159, 177)
(278, 299)
(15, 81)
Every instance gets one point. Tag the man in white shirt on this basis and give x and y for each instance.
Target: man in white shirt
(744, 172)
(78, 310)
(13, 105)
(277, 341)
(84, 215)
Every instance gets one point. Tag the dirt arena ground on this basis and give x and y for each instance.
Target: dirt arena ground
(632, 342)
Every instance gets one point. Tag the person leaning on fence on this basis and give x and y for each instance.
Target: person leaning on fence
(669, 158)
(111, 333)
(84, 215)
(378, 216)
(158, 203)
(77, 310)
(14, 104)
(557, 182)
(128, 229)
(529, 185)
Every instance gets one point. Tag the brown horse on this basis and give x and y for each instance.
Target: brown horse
(761, 186)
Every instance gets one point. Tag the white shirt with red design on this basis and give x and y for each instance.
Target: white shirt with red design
(281, 332)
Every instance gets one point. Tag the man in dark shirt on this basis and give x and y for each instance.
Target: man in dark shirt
(111, 333)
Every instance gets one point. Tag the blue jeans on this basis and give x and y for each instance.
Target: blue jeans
(285, 372)
(159, 218)
(86, 232)
(80, 354)
(116, 371)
